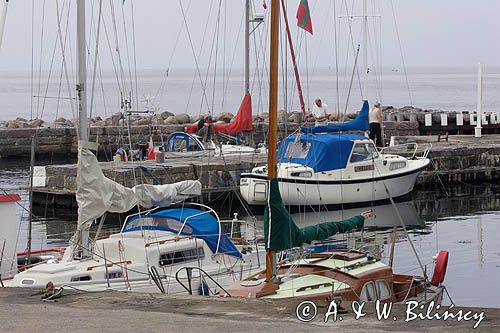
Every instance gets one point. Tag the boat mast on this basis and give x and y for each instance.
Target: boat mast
(3, 15)
(82, 96)
(247, 46)
(82, 72)
(365, 50)
(273, 113)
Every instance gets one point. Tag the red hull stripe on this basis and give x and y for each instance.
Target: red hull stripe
(10, 198)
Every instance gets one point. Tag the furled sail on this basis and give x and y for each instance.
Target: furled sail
(3, 15)
(242, 122)
(97, 194)
(360, 123)
(282, 233)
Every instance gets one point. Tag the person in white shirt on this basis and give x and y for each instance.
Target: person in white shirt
(320, 112)
(375, 119)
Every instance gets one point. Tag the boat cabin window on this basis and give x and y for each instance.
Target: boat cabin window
(181, 145)
(81, 278)
(363, 151)
(383, 290)
(157, 222)
(368, 293)
(297, 149)
(114, 275)
(181, 256)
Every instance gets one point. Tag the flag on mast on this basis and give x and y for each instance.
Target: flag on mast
(304, 17)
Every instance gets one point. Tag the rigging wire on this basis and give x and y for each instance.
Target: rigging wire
(195, 58)
(401, 52)
(63, 51)
(96, 56)
(40, 61)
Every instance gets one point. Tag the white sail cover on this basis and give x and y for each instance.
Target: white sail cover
(97, 194)
(3, 15)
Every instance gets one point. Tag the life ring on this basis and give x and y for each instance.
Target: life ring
(440, 268)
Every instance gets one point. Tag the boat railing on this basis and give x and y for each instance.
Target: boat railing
(416, 148)
(203, 276)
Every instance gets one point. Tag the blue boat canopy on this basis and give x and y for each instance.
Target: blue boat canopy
(180, 142)
(321, 152)
(360, 123)
(198, 223)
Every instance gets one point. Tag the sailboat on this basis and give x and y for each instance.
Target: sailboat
(333, 275)
(336, 164)
(152, 245)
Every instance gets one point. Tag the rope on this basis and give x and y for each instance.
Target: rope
(194, 56)
(401, 52)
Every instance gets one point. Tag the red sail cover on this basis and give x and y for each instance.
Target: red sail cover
(304, 17)
(242, 122)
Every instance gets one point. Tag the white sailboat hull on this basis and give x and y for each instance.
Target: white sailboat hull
(334, 188)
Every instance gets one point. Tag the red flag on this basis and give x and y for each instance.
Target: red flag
(304, 17)
(264, 4)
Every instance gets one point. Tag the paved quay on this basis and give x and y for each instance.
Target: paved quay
(23, 311)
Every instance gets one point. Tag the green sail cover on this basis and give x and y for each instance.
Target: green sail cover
(284, 232)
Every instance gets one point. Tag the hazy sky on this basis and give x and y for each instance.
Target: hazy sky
(433, 33)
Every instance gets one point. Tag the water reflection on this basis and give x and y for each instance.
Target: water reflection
(384, 216)
(461, 219)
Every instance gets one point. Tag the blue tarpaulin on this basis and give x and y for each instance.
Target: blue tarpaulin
(322, 152)
(360, 123)
(199, 225)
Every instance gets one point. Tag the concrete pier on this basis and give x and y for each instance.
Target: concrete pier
(22, 310)
(461, 159)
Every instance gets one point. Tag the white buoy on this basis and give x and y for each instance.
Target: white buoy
(479, 112)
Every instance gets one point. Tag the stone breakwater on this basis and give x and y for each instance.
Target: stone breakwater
(62, 140)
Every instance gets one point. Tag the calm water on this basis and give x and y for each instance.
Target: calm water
(466, 223)
(180, 92)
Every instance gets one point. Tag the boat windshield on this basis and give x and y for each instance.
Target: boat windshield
(297, 149)
(157, 223)
(363, 151)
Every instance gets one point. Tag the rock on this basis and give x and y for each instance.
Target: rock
(165, 114)
(61, 120)
(36, 122)
(114, 119)
(226, 117)
(171, 120)
(142, 122)
(296, 117)
(257, 119)
(182, 118)
(12, 124)
(21, 119)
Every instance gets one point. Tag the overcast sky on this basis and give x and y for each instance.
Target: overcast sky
(433, 33)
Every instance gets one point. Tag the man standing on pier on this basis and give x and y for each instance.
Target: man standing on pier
(320, 112)
(375, 119)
